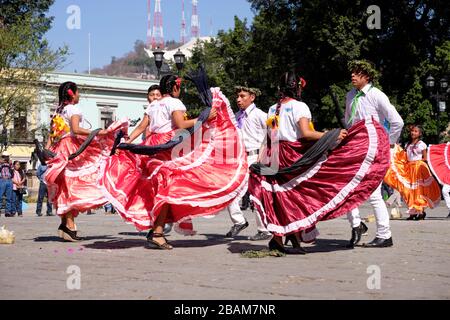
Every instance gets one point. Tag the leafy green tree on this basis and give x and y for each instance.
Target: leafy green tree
(12, 12)
(317, 39)
(24, 58)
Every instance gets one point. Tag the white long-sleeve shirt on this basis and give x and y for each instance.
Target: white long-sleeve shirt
(253, 127)
(376, 104)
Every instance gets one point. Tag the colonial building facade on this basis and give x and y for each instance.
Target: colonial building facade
(102, 100)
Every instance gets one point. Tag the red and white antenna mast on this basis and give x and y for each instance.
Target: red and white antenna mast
(183, 24)
(195, 23)
(149, 24)
(158, 33)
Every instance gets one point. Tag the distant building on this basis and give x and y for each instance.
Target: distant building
(186, 48)
(102, 99)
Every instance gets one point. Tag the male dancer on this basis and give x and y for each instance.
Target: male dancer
(252, 122)
(365, 100)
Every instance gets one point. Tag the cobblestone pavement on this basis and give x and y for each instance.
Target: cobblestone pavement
(114, 263)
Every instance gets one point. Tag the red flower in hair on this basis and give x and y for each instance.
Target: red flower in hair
(178, 82)
(302, 82)
(70, 92)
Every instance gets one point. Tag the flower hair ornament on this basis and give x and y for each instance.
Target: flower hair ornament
(70, 93)
(178, 82)
(302, 82)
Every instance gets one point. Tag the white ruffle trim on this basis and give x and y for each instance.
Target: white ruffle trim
(339, 198)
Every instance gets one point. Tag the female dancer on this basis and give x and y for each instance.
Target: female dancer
(410, 175)
(308, 177)
(72, 182)
(175, 184)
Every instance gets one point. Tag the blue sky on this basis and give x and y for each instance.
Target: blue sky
(115, 25)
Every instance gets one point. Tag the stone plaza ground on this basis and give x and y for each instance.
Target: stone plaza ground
(113, 262)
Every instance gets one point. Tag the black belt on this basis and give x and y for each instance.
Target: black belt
(253, 152)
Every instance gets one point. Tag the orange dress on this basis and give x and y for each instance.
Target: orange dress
(413, 179)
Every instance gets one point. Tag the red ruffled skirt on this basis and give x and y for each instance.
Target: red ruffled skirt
(439, 161)
(414, 181)
(198, 177)
(338, 182)
(72, 184)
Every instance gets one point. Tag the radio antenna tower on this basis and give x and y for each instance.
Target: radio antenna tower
(183, 24)
(195, 24)
(158, 33)
(149, 24)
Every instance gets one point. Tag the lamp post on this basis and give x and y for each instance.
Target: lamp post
(159, 58)
(180, 58)
(439, 93)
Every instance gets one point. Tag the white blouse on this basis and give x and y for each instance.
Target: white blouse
(415, 151)
(160, 114)
(72, 110)
(290, 114)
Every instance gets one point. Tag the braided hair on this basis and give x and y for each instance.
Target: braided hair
(168, 82)
(289, 87)
(66, 93)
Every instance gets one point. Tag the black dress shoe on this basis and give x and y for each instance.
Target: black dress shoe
(412, 217)
(357, 232)
(379, 243)
(234, 231)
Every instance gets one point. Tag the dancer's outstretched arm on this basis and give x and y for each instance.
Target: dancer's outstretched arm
(139, 129)
(181, 123)
(77, 130)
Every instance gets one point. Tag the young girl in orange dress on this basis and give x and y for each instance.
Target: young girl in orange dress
(409, 174)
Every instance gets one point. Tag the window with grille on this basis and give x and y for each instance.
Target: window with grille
(107, 114)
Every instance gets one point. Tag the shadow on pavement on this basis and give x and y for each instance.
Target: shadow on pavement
(322, 245)
(136, 234)
(327, 245)
(58, 239)
(221, 237)
(116, 244)
(198, 243)
(239, 247)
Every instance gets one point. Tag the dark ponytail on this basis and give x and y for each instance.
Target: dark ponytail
(66, 93)
(289, 85)
(168, 82)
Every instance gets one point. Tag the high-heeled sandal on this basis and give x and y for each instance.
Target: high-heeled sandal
(293, 239)
(69, 235)
(157, 245)
(420, 216)
(274, 245)
(61, 229)
(295, 244)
